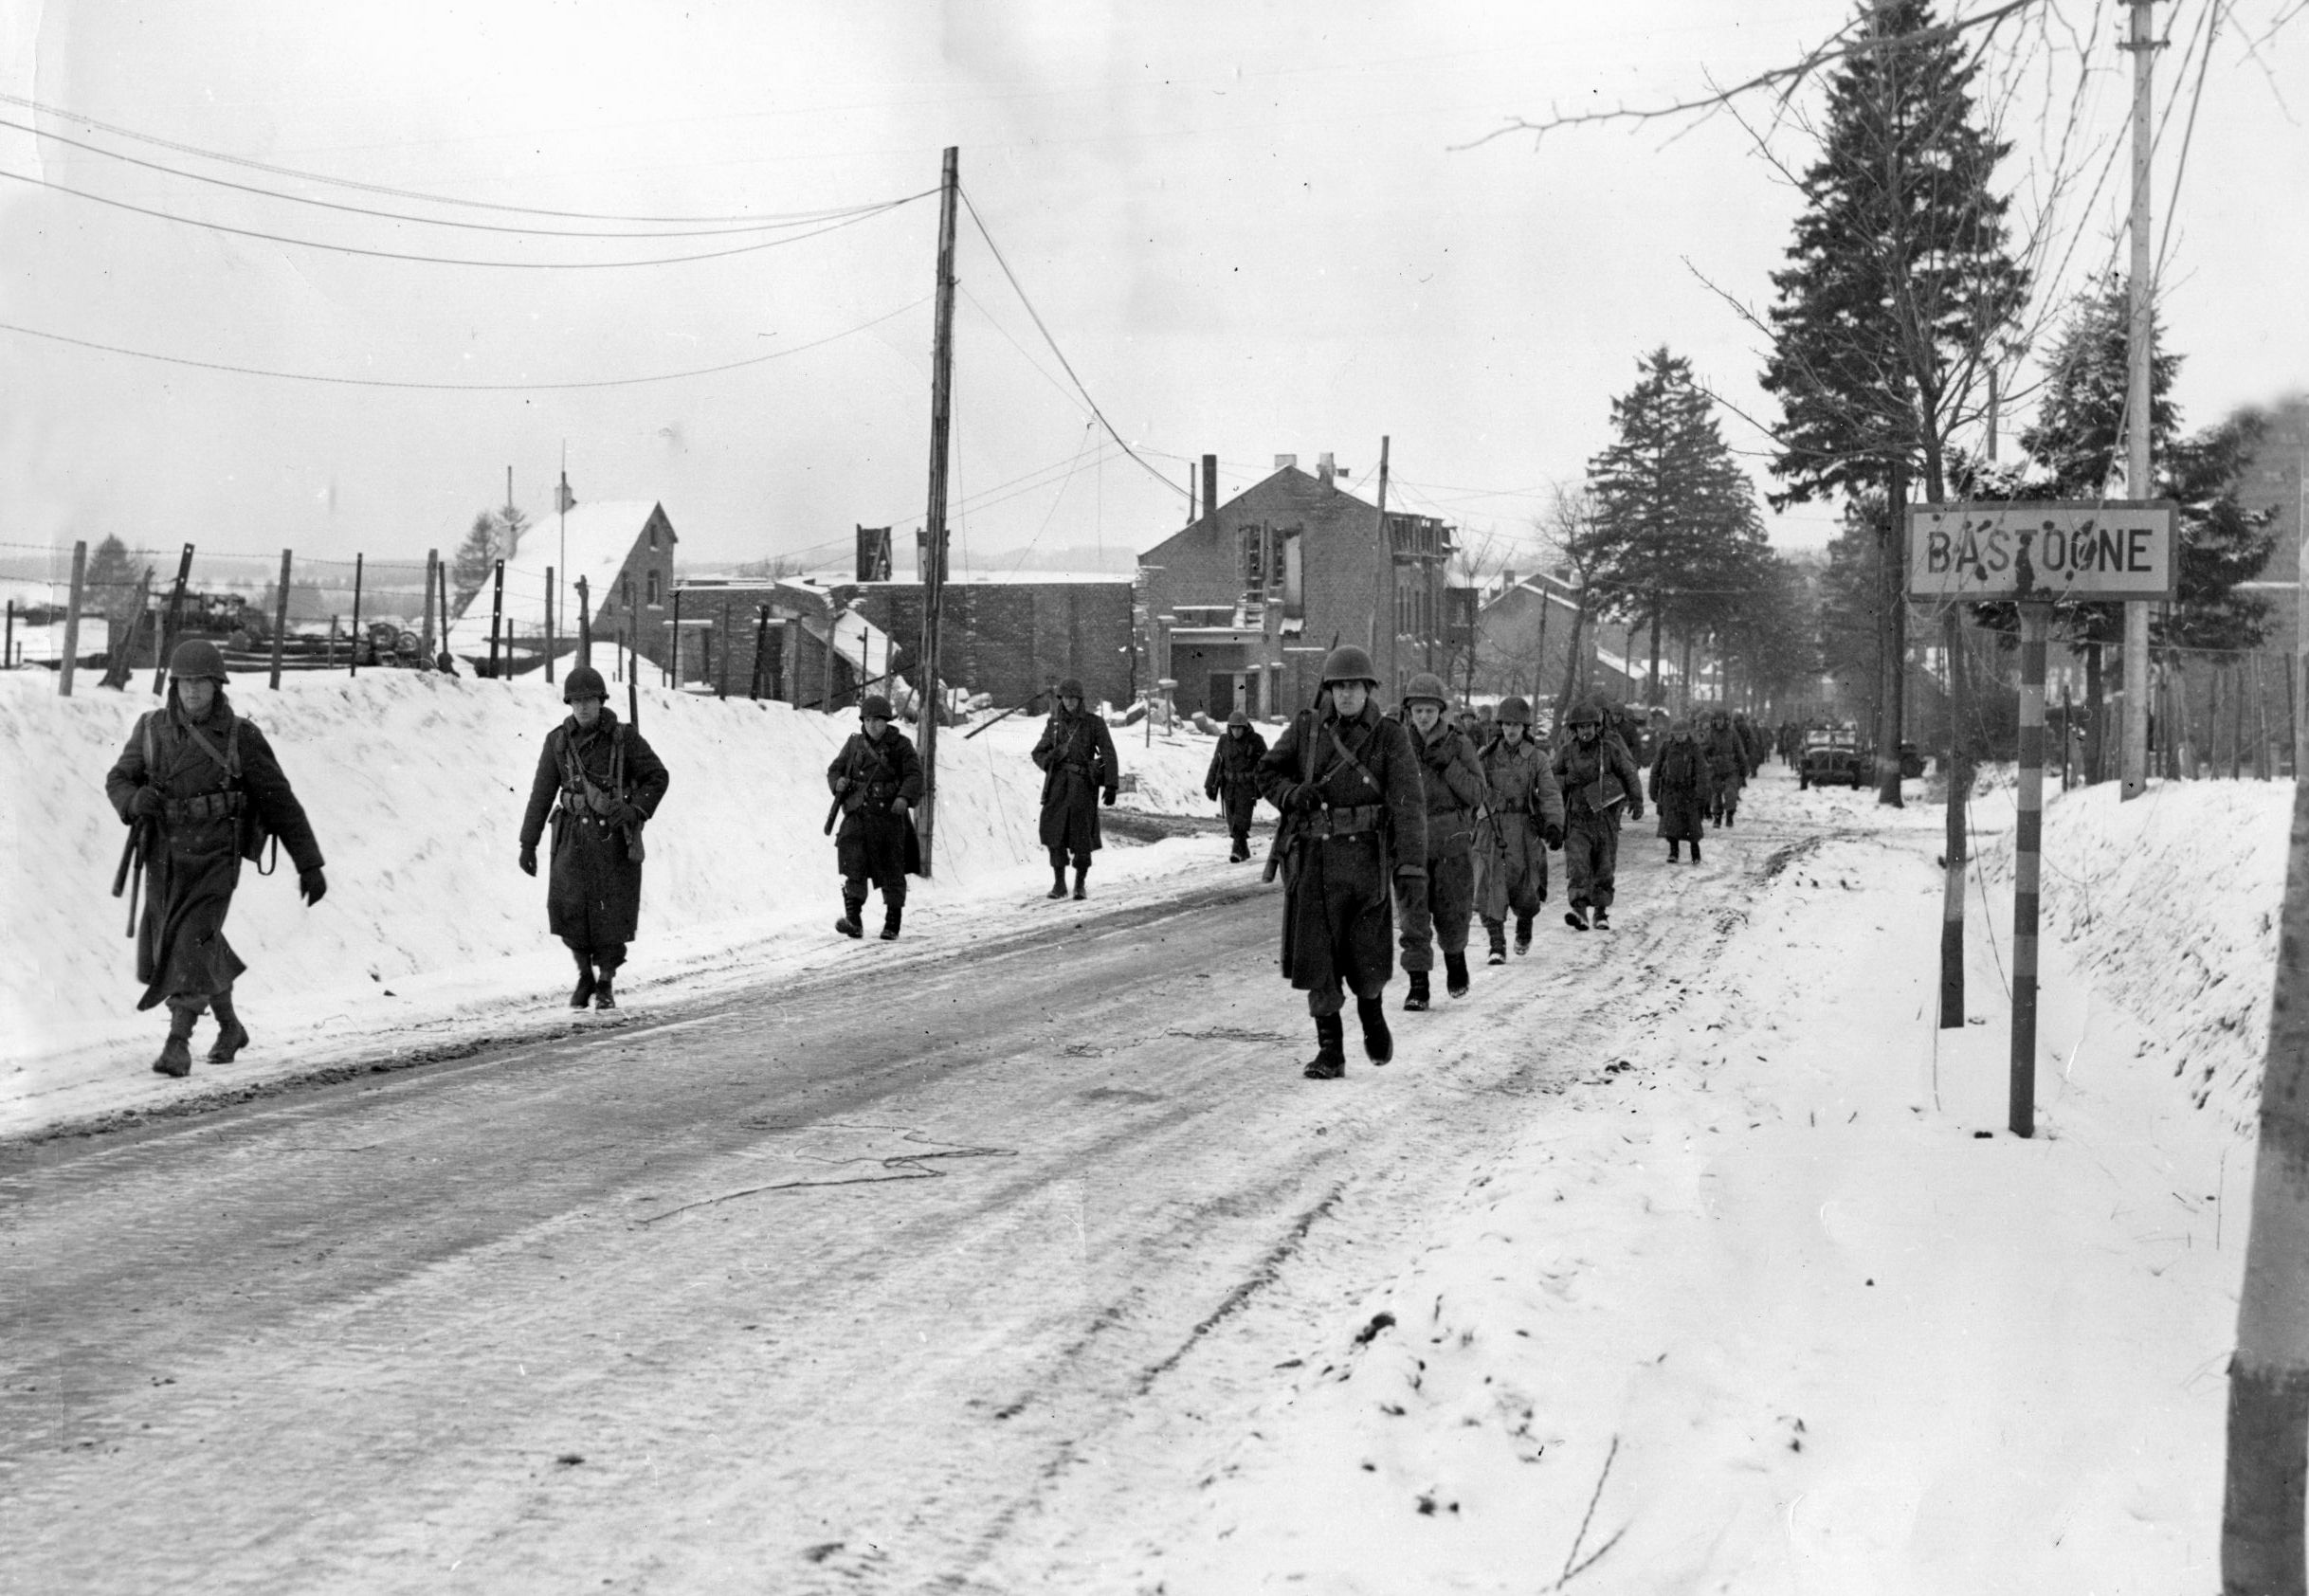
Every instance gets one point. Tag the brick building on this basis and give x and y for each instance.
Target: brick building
(2276, 476)
(749, 637)
(1242, 605)
(1013, 636)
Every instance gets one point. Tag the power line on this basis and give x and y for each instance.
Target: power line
(119, 131)
(459, 260)
(1065, 365)
(432, 220)
(457, 387)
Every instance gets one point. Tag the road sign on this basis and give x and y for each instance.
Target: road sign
(2104, 550)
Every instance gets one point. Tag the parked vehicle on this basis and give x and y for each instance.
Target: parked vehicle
(1831, 758)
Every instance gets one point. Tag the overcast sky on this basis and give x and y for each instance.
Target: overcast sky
(1243, 222)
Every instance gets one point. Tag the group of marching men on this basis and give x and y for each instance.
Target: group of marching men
(1382, 817)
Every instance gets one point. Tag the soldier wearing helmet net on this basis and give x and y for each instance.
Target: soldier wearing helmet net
(1354, 823)
(1456, 795)
(1076, 755)
(609, 783)
(1233, 779)
(1526, 820)
(1599, 778)
(877, 779)
(202, 785)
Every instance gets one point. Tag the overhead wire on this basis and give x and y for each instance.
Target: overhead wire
(222, 156)
(719, 231)
(459, 387)
(460, 260)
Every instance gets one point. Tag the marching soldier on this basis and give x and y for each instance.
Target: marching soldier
(609, 783)
(202, 788)
(1233, 779)
(877, 780)
(1453, 779)
(1680, 790)
(1077, 759)
(1597, 776)
(1354, 823)
(1527, 820)
(1727, 755)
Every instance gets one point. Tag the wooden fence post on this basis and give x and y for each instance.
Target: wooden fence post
(173, 618)
(72, 618)
(353, 654)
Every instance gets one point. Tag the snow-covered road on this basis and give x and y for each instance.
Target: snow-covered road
(1016, 1257)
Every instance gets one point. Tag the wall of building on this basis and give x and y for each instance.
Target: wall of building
(1015, 639)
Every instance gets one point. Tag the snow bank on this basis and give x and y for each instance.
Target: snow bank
(2170, 903)
(415, 785)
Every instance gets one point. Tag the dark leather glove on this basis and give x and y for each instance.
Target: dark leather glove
(1211, 793)
(898, 805)
(312, 885)
(529, 861)
(146, 804)
(631, 814)
(1553, 835)
(1635, 812)
(1109, 799)
(1306, 798)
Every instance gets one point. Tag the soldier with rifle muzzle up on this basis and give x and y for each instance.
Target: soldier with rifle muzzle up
(201, 791)
(877, 779)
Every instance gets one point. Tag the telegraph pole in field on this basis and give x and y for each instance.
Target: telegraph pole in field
(2143, 45)
(934, 521)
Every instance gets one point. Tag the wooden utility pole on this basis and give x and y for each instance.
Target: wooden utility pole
(425, 638)
(280, 601)
(1959, 774)
(1892, 639)
(549, 623)
(2143, 45)
(353, 654)
(933, 520)
(585, 624)
(173, 618)
(72, 620)
(2027, 841)
(496, 599)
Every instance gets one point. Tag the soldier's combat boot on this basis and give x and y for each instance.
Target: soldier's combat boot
(849, 925)
(1603, 918)
(176, 1053)
(1082, 874)
(1695, 850)
(1058, 882)
(1731, 816)
(231, 1036)
(1675, 852)
(1242, 850)
(1378, 1042)
(891, 914)
(581, 995)
(1523, 935)
(604, 997)
(1330, 1060)
(1455, 974)
(1496, 931)
(1576, 918)
(1416, 999)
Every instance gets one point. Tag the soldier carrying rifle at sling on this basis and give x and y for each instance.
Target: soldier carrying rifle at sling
(877, 779)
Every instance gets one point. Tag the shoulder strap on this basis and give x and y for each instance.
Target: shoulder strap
(1346, 753)
(152, 752)
(617, 760)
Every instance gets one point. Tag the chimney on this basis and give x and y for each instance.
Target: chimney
(1324, 470)
(1210, 485)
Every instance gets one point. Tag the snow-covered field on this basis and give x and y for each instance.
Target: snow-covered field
(430, 936)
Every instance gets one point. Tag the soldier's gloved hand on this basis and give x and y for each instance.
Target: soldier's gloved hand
(312, 885)
(1635, 811)
(1109, 799)
(898, 805)
(1306, 798)
(529, 861)
(631, 814)
(1553, 835)
(146, 804)
(1211, 793)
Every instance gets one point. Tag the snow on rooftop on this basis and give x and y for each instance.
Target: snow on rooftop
(594, 544)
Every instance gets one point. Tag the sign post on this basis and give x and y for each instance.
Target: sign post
(2037, 555)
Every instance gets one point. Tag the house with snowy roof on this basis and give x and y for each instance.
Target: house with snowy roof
(622, 550)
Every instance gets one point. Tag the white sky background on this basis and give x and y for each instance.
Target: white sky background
(1242, 222)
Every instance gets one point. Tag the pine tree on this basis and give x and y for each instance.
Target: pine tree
(1900, 276)
(1676, 530)
(495, 535)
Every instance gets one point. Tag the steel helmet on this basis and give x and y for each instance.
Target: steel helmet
(1238, 718)
(1070, 688)
(583, 682)
(1583, 714)
(875, 706)
(1428, 685)
(1515, 712)
(196, 658)
(1349, 663)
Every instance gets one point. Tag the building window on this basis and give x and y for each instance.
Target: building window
(627, 584)
(1254, 559)
(653, 541)
(656, 598)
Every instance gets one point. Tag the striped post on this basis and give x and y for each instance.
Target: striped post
(2028, 838)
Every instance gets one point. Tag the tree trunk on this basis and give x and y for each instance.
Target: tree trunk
(2268, 1388)
(1892, 641)
(1651, 685)
(1688, 672)
(1571, 661)
(2096, 692)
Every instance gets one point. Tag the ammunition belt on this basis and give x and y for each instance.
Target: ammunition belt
(209, 806)
(1348, 820)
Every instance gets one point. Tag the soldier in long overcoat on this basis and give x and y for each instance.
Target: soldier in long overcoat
(1526, 820)
(202, 788)
(1077, 759)
(1598, 777)
(1680, 790)
(1753, 739)
(1233, 779)
(1728, 766)
(1354, 823)
(1453, 779)
(609, 783)
(877, 780)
